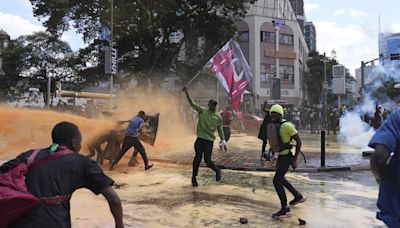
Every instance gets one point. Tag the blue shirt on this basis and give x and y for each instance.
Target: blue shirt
(389, 188)
(134, 125)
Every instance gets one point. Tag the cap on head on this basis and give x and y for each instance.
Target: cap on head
(212, 101)
(277, 108)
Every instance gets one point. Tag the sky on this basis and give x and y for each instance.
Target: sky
(350, 27)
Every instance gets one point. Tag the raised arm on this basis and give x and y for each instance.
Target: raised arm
(194, 105)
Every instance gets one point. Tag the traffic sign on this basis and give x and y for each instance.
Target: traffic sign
(278, 23)
(105, 33)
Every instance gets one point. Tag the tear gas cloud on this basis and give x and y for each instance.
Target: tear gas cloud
(353, 129)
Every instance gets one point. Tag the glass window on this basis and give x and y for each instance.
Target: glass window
(267, 71)
(268, 37)
(243, 36)
(287, 74)
(286, 39)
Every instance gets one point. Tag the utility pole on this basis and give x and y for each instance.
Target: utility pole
(325, 93)
(48, 90)
(111, 48)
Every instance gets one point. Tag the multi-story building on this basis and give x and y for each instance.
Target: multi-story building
(298, 9)
(310, 36)
(389, 48)
(257, 40)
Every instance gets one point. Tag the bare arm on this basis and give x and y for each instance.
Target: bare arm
(298, 148)
(379, 161)
(115, 205)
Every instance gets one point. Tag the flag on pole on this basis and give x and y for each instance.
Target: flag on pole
(232, 71)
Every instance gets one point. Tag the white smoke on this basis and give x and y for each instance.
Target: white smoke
(355, 131)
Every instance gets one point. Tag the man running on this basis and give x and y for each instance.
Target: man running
(62, 177)
(132, 140)
(209, 122)
(286, 158)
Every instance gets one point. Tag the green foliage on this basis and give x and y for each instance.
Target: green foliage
(33, 58)
(143, 27)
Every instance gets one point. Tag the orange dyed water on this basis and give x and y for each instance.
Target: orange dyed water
(24, 129)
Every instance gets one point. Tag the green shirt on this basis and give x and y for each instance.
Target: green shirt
(287, 131)
(208, 123)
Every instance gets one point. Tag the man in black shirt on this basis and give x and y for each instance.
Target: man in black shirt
(62, 176)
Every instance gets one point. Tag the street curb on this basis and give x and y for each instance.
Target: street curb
(263, 169)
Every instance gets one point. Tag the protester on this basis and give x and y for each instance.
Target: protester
(262, 133)
(386, 169)
(227, 119)
(132, 140)
(286, 158)
(378, 118)
(209, 122)
(61, 177)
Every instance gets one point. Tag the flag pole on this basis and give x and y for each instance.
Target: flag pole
(191, 80)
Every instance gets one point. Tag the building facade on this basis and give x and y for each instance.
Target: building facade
(298, 9)
(310, 36)
(389, 48)
(257, 40)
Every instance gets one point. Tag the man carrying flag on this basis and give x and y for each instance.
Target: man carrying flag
(209, 122)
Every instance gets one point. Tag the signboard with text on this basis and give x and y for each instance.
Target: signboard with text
(111, 56)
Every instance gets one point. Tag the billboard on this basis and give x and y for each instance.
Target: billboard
(339, 71)
(339, 86)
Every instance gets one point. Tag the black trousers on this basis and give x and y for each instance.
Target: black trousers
(202, 146)
(227, 133)
(130, 141)
(282, 166)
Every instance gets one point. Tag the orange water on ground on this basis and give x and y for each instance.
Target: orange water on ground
(24, 129)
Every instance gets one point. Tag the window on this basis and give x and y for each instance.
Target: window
(243, 36)
(268, 37)
(287, 74)
(285, 39)
(267, 71)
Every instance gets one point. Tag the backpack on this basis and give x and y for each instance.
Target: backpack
(15, 199)
(275, 139)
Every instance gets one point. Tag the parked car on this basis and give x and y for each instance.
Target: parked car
(250, 122)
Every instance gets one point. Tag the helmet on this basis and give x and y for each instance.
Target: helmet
(276, 108)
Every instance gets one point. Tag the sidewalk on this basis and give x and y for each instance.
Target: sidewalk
(244, 153)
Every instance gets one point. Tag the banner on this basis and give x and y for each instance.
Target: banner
(232, 71)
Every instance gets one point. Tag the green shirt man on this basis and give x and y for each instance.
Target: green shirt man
(209, 122)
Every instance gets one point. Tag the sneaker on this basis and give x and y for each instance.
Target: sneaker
(218, 175)
(297, 200)
(283, 213)
(148, 166)
(194, 182)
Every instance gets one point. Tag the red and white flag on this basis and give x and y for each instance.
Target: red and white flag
(233, 72)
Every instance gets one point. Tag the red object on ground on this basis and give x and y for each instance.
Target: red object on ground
(15, 199)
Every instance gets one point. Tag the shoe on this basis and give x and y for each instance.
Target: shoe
(218, 175)
(194, 182)
(148, 166)
(297, 200)
(283, 213)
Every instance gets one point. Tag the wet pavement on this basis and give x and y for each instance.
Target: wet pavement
(163, 197)
(244, 153)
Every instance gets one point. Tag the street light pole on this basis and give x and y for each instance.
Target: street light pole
(111, 47)
(325, 91)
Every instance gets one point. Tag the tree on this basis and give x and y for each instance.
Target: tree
(315, 77)
(142, 28)
(39, 56)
